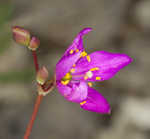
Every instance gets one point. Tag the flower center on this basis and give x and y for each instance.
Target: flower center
(88, 74)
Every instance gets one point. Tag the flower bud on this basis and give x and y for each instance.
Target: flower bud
(21, 36)
(42, 75)
(34, 43)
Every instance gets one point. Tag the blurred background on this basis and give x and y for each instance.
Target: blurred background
(118, 26)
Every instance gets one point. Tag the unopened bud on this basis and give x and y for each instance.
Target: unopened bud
(34, 43)
(21, 36)
(42, 75)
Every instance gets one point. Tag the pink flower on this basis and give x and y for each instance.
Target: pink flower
(76, 70)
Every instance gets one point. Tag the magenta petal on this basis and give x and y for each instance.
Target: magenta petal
(65, 64)
(85, 31)
(70, 58)
(64, 89)
(75, 92)
(95, 102)
(78, 42)
(108, 63)
(79, 92)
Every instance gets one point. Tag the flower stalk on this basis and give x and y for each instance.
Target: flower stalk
(35, 59)
(46, 88)
(37, 102)
(33, 117)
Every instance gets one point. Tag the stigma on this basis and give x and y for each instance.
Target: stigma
(88, 74)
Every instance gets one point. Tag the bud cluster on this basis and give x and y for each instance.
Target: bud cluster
(23, 37)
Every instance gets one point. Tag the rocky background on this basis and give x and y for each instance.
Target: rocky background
(118, 26)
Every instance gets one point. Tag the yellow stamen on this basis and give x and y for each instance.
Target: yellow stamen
(74, 65)
(67, 76)
(83, 54)
(89, 84)
(72, 70)
(88, 58)
(83, 102)
(77, 50)
(85, 77)
(71, 51)
(98, 78)
(93, 69)
(65, 82)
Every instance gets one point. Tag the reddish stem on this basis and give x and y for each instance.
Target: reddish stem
(33, 117)
(37, 103)
(35, 60)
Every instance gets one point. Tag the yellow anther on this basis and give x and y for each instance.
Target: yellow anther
(77, 50)
(74, 65)
(83, 54)
(67, 77)
(65, 82)
(72, 70)
(85, 77)
(93, 69)
(98, 78)
(88, 58)
(83, 102)
(89, 84)
(71, 51)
